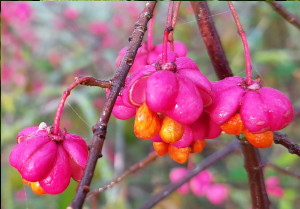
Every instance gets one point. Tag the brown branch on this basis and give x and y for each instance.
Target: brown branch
(291, 18)
(90, 81)
(283, 170)
(214, 47)
(99, 130)
(254, 168)
(134, 168)
(209, 161)
(280, 138)
(211, 39)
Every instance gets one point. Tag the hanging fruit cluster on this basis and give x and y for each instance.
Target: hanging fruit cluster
(177, 107)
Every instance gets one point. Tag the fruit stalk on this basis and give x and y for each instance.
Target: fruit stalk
(167, 32)
(242, 33)
(150, 33)
(88, 81)
(174, 20)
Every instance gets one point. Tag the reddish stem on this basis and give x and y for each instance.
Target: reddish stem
(242, 33)
(150, 33)
(167, 32)
(174, 20)
(61, 107)
(88, 81)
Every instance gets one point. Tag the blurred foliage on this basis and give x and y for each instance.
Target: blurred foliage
(46, 44)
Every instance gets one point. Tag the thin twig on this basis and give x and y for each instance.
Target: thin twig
(209, 161)
(211, 39)
(134, 168)
(283, 170)
(99, 130)
(90, 81)
(280, 138)
(291, 18)
(219, 60)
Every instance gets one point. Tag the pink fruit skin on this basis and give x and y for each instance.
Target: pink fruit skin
(261, 108)
(179, 48)
(272, 181)
(39, 158)
(29, 132)
(145, 57)
(189, 105)
(279, 108)
(131, 96)
(205, 128)
(161, 91)
(175, 175)
(140, 59)
(156, 138)
(200, 183)
(59, 177)
(217, 193)
(186, 140)
(202, 83)
(273, 186)
(225, 104)
(121, 111)
(253, 113)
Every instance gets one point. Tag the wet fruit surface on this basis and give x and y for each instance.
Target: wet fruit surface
(262, 140)
(146, 123)
(179, 155)
(234, 125)
(171, 131)
(197, 146)
(161, 148)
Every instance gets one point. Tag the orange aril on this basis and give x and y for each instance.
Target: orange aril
(37, 189)
(161, 148)
(234, 125)
(197, 146)
(179, 155)
(262, 140)
(146, 123)
(26, 182)
(171, 131)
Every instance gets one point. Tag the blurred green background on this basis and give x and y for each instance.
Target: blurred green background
(44, 45)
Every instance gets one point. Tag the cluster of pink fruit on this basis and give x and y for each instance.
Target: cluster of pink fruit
(168, 100)
(177, 107)
(201, 185)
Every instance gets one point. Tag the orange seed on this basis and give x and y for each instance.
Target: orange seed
(234, 125)
(171, 131)
(262, 140)
(197, 146)
(26, 182)
(146, 123)
(37, 189)
(179, 155)
(161, 148)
